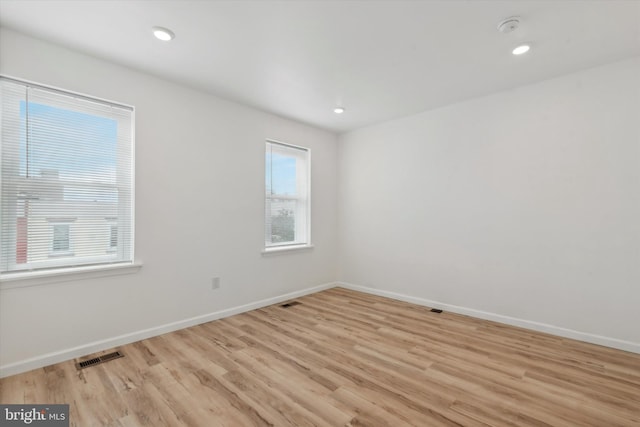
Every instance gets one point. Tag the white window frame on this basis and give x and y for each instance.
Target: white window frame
(110, 261)
(302, 234)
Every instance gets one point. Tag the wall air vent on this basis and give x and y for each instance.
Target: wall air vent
(98, 360)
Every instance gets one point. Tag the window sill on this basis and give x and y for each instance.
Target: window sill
(45, 277)
(284, 249)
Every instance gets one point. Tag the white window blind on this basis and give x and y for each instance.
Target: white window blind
(66, 179)
(287, 195)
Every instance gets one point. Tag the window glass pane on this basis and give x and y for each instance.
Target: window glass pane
(60, 238)
(283, 220)
(283, 174)
(113, 239)
(71, 145)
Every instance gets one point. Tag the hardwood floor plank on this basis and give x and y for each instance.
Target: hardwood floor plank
(320, 411)
(252, 416)
(367, 413)
(345, 359)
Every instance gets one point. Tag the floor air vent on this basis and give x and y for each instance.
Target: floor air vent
(98, 360)
(290, 304)
(436, 310)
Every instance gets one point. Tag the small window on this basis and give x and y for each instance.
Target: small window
(287, 195)
(66, 164)
(113, 237)
(60, 239)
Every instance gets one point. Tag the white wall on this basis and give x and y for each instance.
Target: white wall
(523, 206)
(199, 214)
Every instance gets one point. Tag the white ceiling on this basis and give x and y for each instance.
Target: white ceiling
(379, 59)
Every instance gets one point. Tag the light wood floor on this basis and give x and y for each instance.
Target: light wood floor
(342, 358)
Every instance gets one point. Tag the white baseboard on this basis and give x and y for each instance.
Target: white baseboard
(96, 346)
(528, 324)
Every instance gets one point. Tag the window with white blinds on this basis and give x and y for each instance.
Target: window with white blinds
(287, 195)
(66, 179)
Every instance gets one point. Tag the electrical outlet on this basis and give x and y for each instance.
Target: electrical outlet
(215, 283)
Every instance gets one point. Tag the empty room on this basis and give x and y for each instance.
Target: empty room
(319, 213)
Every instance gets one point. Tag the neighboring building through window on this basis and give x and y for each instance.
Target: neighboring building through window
(286, 195)
(66, 166)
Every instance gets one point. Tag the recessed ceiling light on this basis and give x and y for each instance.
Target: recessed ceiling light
(523, 48)
(163, 34)
(338, 110)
